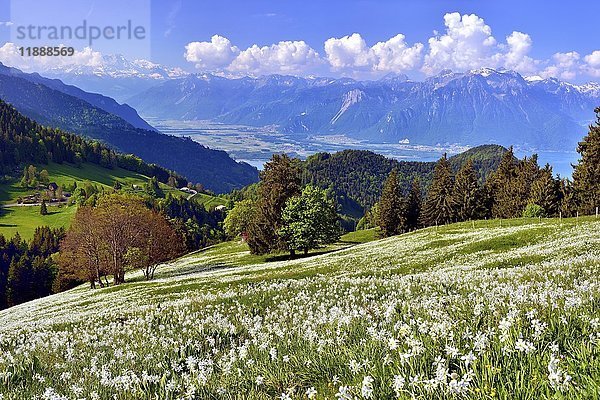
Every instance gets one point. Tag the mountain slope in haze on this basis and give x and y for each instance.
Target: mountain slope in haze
(115, 76)
(212, 168)
(103, 102)
(476, 107)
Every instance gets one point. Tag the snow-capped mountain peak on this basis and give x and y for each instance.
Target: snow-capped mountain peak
(116, 65)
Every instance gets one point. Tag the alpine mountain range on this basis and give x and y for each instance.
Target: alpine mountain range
(471, 108)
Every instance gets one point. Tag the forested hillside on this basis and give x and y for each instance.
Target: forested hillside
(357, 176)
(23, 141)
(214, 169)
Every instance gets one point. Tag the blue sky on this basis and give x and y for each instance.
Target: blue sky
(339, 38)
(555, 26)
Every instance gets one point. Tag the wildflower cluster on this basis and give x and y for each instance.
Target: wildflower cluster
(399, 318)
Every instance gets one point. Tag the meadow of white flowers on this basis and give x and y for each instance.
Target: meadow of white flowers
(495, 312)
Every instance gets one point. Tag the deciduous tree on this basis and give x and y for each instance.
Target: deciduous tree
(239, 218)
(309, 221)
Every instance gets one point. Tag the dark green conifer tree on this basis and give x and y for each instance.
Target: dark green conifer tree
(280, 180)
(391, 207)
(413, 205)
(586, 176)
(438, 208)
(467, 196)
(43, 208)
(545, 192)
(568, 206)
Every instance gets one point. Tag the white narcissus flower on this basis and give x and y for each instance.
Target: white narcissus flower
(367, 387)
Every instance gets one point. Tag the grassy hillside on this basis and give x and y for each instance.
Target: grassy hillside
(209, 201)
(485, 311)
(24, 219)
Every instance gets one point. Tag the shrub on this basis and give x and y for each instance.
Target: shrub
(533, 211)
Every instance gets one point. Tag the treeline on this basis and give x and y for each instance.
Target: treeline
(28, 270)
(197, 226)
(23, 141)
(359, 174)
(282, 215)
(517, 188)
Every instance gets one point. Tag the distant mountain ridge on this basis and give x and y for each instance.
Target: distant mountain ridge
(471, 108)
(212, 168)
(103, 102)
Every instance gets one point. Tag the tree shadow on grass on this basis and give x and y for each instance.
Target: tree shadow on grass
(4, 211)
(351, 242)
(288, 257)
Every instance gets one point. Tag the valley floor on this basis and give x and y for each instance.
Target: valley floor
(491, 310)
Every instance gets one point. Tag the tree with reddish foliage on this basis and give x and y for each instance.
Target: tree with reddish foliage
(119, 233)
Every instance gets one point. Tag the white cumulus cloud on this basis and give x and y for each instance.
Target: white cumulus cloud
(563, 65)
(517, 58)
(592, 64)
(467, 44)
(217, 53)
(348, 52)
(395, 55)
(287, 57)
(351, 53)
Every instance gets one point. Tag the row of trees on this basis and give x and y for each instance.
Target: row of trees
(359, 175)
(517, 188)
(284, 216)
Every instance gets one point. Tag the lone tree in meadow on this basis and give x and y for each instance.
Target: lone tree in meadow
(391, 207)
(309, 221)
(467, 196)
(438, 206)
(280, 181)
(43, 208)
(586, 176)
